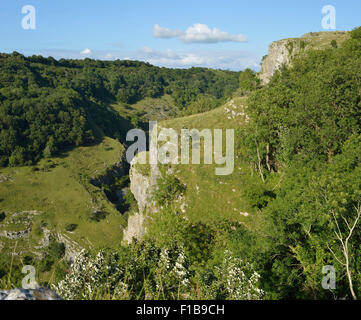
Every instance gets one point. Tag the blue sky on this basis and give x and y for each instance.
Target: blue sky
(172, 33)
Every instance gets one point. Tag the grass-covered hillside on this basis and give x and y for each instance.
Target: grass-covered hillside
(63, 176)
(211, 198)
(291, 206)
(54, 202)
(323, 40)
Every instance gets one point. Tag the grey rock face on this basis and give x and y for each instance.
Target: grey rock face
(31, 294)
(135, 228)
(15, 235)
(278, 55)
(142, 187)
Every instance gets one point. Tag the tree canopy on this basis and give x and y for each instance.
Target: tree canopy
(46, 105)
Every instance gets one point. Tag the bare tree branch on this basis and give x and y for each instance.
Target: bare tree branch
(344, 244)
(334, 254)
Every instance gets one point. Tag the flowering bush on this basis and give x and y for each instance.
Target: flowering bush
(140, 271)
(91, 277)
(172, 278)
(233, 279)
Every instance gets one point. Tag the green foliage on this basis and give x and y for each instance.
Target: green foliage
(303, 44)
(230, 279)
(168, 228)
(139, 271)
(50, 148)
(160, 267)
(300, 183)
(56, 249)
(202, 104)
(53, 252)
(258, 194)
(308, 111)
(168, 189)
(70, 227)
(97, 215)
(128, 205)
(302, 219)
(356, 33)
(17, 157)
(290, 46)
(248, 81)
(143, 169)
(48, 105)
(305, 130)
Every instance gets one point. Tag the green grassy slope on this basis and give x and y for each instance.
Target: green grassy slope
(148, 109)
(58, 189)
(318, 40)
(210, 198)
(322, 40)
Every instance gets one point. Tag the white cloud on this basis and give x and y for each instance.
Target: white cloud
(86, 52)
(165, 33)
(147, 49)
(198, 33)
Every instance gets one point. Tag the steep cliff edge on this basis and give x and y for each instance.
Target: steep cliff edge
(143, 179)
(278, 55)
(282, 52)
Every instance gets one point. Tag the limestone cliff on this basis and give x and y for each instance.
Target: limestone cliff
(278, 55)
(282, 52)
(142, 182)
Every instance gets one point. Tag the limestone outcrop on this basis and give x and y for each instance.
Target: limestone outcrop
(141, 185)
(279, 53)
(283, 51)
(31, 294)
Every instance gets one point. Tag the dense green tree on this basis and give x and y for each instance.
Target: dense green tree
(46, 105)
(304, 142)
(248, 81)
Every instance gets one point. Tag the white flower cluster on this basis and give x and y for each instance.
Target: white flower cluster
(232, 279)
(172, 272)
(239, 279)
(90, 276)
(136, 271)
(180, 270)
(232, 113)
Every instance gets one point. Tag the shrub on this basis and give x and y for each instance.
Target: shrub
(232, 279)
(129, 203)
(248, 81)
(168, 189)
(136, 272)
(97, 216)
(56, 249)
(17, 157)
(356, 33)
(303, 44)
(70, 227)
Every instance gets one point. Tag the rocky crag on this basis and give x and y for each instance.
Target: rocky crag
(142, 184)
(283, 51)
(31, 294)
